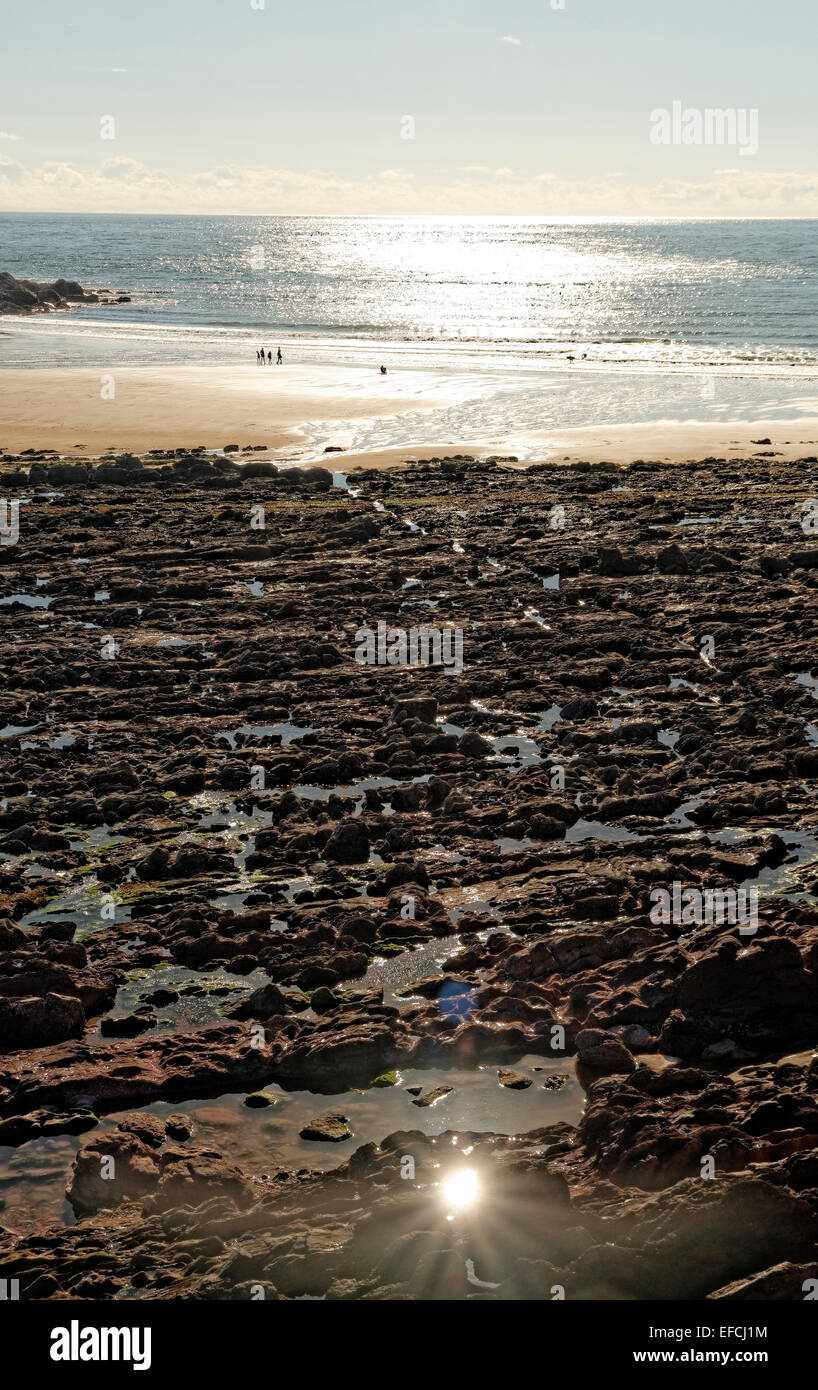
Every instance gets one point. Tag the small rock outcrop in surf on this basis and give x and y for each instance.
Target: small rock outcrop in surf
(36, 297)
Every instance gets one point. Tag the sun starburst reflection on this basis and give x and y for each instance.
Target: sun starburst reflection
(461, 1188)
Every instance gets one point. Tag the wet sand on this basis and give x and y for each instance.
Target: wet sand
(63, 409)
(689, 442)
(156, 407)
(678, 442)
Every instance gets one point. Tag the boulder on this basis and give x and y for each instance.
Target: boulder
(36, 1022)
(604, 1053)
(327, 1129)
(349, 843)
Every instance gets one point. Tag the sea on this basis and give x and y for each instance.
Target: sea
(513, 324)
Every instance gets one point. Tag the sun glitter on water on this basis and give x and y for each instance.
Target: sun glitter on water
(461, 1189)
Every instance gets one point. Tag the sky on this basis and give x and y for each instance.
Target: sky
(529, 107)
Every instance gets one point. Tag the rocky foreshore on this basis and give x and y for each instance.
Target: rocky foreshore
(38, 297)
(327, 976)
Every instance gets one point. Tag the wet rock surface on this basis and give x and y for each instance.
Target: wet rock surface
(236, 860)
(37, 296)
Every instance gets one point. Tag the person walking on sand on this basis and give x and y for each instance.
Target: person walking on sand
(279, 359)
(383, 371)
(270, 358)
(260, 355)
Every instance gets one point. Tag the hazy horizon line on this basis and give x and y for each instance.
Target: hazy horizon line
(436, 216)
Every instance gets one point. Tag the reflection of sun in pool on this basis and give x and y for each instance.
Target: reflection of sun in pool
(462, 1188)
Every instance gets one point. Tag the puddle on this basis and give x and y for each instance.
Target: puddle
(466, 902)
(391, 973)
(811, 682)
(527, 755)
(296, 886)
(595, 830)
(82, 903)
(339, 480)
(722, 520)
(549, 718)
(288, 733)
(211, 992)
(679, 818)
(355, 789)
(263, 1141)
(477, 1102)
(237, 828)
(32, 1184)
(507, 845)
(626, 697)
(785, 878)
(96, 837)
(28, 600)
(732, 836)
(535, 617)
(669, 738)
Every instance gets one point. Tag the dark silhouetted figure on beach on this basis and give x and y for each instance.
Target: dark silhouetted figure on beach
(279, 359)
(383, 371)
(269, 359)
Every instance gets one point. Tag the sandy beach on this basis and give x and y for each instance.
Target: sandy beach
(677, 443)
(623, 444)
(71, 411)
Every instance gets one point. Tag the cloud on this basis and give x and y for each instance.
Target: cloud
(122, 184)
(509, 38)
(130, 171)
(7, 135)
